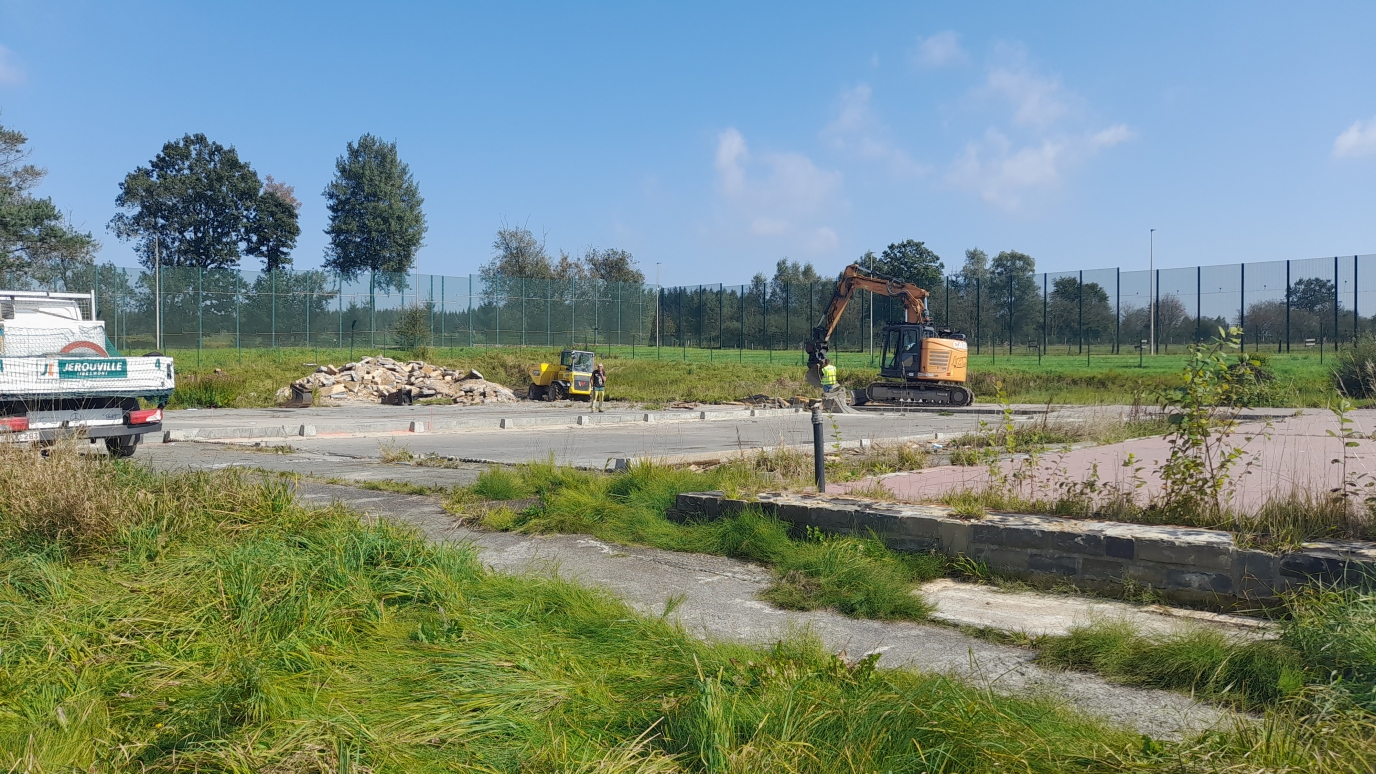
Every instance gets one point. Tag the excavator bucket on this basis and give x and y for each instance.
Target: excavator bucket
(838, 402)
(814, 375)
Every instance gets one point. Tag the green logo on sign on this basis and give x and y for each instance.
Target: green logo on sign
(93, 368)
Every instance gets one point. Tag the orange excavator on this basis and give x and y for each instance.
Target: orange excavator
(921, 365)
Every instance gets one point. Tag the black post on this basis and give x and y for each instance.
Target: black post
(1156, 314)
(1242, 302)
(1198, 300)
(1081, 298)
(1010, 315)
(1335, 303)
(948, 302)
(1287, 306)
(1356, 318)
(1117, 309)
(976, 315)
(819, 466)
(1043, 344)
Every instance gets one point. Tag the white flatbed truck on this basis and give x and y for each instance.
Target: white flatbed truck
(60, 377)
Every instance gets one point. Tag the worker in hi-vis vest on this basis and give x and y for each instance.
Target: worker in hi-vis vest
(828, 376)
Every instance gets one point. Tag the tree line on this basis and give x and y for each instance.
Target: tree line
(198, 204)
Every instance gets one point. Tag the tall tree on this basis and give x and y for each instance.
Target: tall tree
(789, 274)
(1013, 294)
(517, 253)
(976, 267)
(613, 265)
(200, 203)
(911, 261)
(1312, 294)
(376, 221)
(275, 225)
(35, 237)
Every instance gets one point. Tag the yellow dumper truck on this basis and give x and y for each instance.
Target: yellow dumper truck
(570, 378)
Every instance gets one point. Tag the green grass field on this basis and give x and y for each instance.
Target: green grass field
(252, 377)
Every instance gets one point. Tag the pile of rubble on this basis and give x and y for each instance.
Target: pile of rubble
(384, 380)
(767, 401)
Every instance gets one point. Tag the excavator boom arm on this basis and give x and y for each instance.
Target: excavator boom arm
(854, 277)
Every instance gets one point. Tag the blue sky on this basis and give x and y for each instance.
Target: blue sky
(717, 138)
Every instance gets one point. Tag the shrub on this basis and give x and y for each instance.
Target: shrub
(1355, 372)
(411, 330)
(206, 391)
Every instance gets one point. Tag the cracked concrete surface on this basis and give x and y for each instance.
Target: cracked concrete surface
(720, 602)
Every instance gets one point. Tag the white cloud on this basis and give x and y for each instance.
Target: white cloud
(1003, 174)
(782, 196)
(939, 50)
(858, 130)
(823, 240)
(11, 73)
(731, 153)
(1037, 100)
(1358, 140)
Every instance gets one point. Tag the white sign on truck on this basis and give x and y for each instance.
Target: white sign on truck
(61, 377)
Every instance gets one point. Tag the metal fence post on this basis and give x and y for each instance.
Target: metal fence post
(977, 316)
(1356, 315)
(523, 311)
(1287, 306)
(200, 312)
(238, 340)
(1045, 276)
(1198, 303)
(470, 311)
(1335, 303)
(1081, 298)
(1242, 302)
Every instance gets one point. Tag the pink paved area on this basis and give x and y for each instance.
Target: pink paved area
(1294, 452)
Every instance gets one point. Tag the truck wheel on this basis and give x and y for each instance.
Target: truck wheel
(122, 446)
(558, 391)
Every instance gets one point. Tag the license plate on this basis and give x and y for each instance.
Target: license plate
(32, 435)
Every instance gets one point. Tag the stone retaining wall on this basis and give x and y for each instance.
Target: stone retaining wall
(1197, 566)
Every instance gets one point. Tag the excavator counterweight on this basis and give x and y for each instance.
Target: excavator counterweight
(921, 365)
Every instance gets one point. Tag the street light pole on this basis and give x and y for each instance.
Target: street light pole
(1151, 287)
(657, 294)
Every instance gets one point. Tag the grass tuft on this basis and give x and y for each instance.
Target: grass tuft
(858, 576)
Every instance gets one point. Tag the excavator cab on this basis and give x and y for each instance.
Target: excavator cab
(922, 352)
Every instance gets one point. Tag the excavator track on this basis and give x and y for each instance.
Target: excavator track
(917, 394)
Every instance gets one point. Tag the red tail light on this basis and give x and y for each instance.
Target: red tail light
(13, 424)
(143, 416)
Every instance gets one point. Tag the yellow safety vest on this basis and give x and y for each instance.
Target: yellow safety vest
(828, 376)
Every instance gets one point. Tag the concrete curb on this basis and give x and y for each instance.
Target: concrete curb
(352, 429)
(1196, 566)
